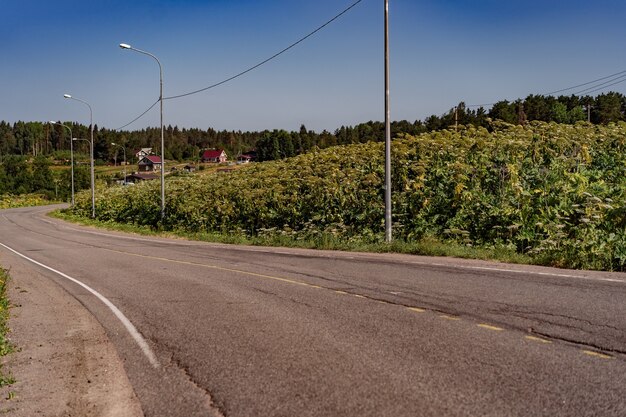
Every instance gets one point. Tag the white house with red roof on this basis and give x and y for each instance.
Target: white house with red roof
(150, 163)
(214, 155)
(143, 152)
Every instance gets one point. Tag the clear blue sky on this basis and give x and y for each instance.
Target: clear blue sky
(442, 52)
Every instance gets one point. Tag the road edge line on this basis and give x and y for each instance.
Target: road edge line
(132, 330)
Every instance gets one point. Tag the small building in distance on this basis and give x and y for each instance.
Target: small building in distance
(138, 177)
(215, 156)
(149, 163)
(244, 159)
(143, 152)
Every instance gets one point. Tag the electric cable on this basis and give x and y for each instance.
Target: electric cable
(584, 84)
(480, 105)
(346, 10)
(602, 86)
(138, 117)
(612, 80)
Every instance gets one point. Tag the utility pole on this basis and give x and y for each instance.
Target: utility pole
(387, 133)
(521, 116)
(456, 118)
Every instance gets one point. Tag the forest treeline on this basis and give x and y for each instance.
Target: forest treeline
(30, 139)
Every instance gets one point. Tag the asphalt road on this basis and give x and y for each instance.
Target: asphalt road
(250, 331)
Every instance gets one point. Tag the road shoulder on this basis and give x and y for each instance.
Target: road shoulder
(64, 363)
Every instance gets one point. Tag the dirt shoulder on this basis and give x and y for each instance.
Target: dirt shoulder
(64, 364)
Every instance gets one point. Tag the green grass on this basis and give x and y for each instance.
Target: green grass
(428, 246)
(5, 345)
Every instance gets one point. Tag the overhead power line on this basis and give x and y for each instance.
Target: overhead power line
(584, 84)
(480, 105)
(613, 79)
(138, 117)
(346, 10)
(602, 86)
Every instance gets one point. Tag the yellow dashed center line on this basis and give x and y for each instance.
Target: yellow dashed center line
(239, 271)
(304, 284)
(219, 268)
(537, 339)
(597, 354)
(490, 327)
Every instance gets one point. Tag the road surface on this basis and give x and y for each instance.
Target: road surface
(208, 329)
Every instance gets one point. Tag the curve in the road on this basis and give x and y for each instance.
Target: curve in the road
(132, 330)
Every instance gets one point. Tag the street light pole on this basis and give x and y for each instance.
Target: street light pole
(388, 234)
(124, 150)
(93, 186)
(127, 46)
(71, 155)
(93, 200)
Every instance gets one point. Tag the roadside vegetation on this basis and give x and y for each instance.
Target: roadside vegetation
(543, 193)
(24, 200)
(325, 241)
(5, 346)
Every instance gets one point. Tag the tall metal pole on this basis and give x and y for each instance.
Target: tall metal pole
(123, 150)
(388, 234)
(71, 155)
(162, 142)
(93, 175)
(93, 182)
(127, 46)
(93, 212)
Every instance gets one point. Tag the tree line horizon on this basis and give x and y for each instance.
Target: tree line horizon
(32, 139)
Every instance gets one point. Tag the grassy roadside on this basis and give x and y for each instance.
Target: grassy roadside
(5, 346)
(425, 247)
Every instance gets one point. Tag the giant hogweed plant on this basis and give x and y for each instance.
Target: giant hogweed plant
(556, 192)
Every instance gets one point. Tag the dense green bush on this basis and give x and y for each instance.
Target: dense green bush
(556, 192)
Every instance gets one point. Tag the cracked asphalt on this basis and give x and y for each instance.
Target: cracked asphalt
(250, 331)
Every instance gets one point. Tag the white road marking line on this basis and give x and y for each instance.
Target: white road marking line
(129, 326)
(515, 271)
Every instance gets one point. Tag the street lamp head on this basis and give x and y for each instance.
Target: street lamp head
(113, 143)
(125, 46)
(75, 139)
(53, 122)
(67, 96)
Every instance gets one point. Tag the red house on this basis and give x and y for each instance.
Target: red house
(214, 155)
